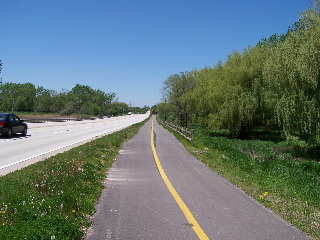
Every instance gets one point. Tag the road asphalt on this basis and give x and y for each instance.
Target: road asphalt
(137, 204)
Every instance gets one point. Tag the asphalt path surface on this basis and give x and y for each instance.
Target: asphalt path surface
(137, 204)
(47, 139)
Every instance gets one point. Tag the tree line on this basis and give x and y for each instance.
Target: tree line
(275, 85)
(81, 100)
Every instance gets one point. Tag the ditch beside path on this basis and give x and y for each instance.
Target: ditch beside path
(137, 204)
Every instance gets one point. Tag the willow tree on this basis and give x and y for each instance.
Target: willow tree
(229, 97)
(205, 99)
(293, 74)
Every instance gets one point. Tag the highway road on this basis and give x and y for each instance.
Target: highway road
(46, 139)
(160, 191)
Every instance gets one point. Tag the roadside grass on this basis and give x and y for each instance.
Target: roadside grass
(269, 170)
(54, 198)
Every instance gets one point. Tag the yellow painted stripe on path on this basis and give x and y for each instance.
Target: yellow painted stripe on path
(195, 225)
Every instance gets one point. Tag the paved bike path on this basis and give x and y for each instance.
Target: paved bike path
(137, 204)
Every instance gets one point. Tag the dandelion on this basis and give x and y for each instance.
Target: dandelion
(3, 212)
(261, 197)
(266, 193)
(73, 211)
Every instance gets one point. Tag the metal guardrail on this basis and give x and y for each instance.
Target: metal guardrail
(40, 120)
(185, 132)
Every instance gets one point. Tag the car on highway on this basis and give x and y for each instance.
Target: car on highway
(11, 124)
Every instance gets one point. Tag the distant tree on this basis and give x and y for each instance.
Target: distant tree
(80, 96)
(7, 100)
(17, 97)
(164, 110)
(117, 108)
(85, 100)
(175, 88)
(44, 100)
(0, 71)
(25, 96)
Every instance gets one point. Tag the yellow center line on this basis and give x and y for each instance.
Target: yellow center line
(193, 222)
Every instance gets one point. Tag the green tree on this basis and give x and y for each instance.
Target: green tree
(117, 108)
(43, 100)
(163, 109)
(7, 96)
(25, 97)
(229, 96)
(293, 74)
(17, 97)
(175, 88)
(80, 97)
(0, 71)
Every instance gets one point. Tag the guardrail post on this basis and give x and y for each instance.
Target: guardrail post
(181, 130)
(192, 136)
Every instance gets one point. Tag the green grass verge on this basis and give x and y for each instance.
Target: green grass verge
(55, 198)
(267, 171)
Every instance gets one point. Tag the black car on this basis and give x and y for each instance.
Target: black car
(11, 124)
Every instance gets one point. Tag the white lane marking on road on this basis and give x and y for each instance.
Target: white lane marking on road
(58, 132)
(197, 170)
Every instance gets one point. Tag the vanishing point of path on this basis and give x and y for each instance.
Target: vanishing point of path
(160, 191)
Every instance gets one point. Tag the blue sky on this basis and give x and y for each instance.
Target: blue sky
(130, 47)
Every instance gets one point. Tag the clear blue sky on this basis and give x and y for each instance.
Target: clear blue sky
(130, 47)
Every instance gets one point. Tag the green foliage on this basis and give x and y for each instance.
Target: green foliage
(17, 97)
(56, 197)
(269, 171)
(268, 168)
(81, 100)
(275, 84)
(118, 107)
(228, 97)
(292, 73)
(174, 90)
(164, 110)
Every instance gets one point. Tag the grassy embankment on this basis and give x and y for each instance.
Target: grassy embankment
(55, 198)
(283, 178)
